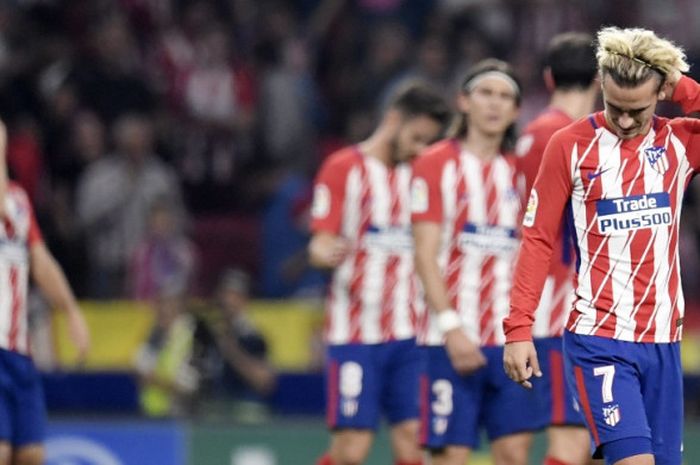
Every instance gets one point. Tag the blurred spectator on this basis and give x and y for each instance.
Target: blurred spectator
(219, 98)
(25, 159)
(168, 380)
(230, 353)
(113, 199)
(290, 109)
(110, 82)
(163, 255)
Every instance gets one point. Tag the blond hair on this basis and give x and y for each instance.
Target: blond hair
(631, 56)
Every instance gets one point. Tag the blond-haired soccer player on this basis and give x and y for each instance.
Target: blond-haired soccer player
(621, 175)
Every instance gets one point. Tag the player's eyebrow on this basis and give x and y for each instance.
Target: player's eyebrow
(621, 110)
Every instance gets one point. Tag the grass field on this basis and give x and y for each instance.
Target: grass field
(300, 442)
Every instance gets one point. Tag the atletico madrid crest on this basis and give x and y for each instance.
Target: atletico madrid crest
(656, 156)
(612, 414)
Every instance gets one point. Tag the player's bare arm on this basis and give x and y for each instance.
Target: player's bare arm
(464, 354)
(50, 278)
(327, 250)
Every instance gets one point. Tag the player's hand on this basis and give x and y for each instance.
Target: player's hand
(669, 86)
(338, 251)
(520, 362)
(328, 251)
(79, 334)
(466, 357)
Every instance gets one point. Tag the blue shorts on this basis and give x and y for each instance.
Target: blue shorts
(366, 380)
(556, 399)
(628, 390)
(22, 404)
(455, 407)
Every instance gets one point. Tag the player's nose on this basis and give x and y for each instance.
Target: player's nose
(625, 122)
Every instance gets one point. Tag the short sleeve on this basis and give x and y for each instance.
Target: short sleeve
(329, 196)
(426, 198)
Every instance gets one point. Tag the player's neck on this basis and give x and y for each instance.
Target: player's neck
(377, 146)
(574, 103)
(484, 146)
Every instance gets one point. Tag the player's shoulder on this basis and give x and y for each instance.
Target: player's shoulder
(582, 129)
(17, 191)
(548, 123)
(342, 159)
(438, 153)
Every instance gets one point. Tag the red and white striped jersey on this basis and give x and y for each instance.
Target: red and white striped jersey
(18, 232)
(478, 208)
(558, 291)
(373, 295)
(625, 200)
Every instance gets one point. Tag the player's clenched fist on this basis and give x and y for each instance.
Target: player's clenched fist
(520, 362)
(466, 357)
(328, 250)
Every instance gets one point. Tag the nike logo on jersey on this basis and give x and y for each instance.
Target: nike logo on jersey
(592, 176)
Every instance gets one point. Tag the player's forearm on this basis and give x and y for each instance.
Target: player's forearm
(687, 95)
(528, 280)
(325, 251)
(52, 281)
(433, 282)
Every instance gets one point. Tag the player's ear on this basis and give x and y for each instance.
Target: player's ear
(463, 102)
(548, 79)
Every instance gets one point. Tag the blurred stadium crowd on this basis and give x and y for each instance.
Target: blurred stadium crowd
(165, 140)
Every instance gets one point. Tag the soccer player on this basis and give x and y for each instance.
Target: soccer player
(570, 71)
(361, 228)
(620, 176)
(466, 211)
(23, 252)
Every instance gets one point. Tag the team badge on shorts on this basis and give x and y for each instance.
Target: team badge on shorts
(612, 414)
(656, 156)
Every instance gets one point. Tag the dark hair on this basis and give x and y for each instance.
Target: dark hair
(571, 57)
(460, 127)
(419, 99)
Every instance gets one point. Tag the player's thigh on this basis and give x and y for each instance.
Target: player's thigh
(450, 404)
(508, 408)
(553, 392)
(569, 444)
(29, 454)
(399, 375)
(29, 418)
(350, 446)
(5, 453)
(643, 459)
(353, 391)
(604, 374)
(512, 449)
(663, 400)
(404, 441)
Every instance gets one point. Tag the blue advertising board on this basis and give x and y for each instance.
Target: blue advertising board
(115, 443)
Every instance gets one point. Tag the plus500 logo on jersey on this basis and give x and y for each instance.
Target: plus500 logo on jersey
(634, 212)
